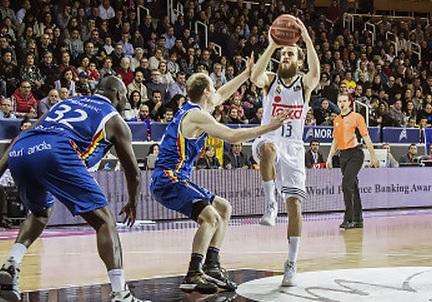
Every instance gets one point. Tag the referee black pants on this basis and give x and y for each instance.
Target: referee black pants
(351, 161)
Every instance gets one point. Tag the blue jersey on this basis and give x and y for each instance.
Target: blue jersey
(82, 120)
(178, 154)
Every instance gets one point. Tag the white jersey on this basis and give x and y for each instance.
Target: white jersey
(280, 97)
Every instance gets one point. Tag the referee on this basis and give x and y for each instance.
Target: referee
(346, 126)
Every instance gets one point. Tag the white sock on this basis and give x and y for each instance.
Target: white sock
(17, 252)
(269, 192)
(293, 248)
(117, 280)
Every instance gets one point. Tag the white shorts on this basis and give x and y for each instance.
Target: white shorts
(290, 166)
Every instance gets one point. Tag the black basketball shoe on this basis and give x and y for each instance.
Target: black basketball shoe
(197, 281)
(219, 276)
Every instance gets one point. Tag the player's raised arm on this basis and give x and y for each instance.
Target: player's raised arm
(205, 122)
(224, 92)
(311, 79)
(120, 135)
(259, 76)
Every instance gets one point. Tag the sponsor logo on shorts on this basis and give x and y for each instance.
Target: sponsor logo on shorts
(30, 150)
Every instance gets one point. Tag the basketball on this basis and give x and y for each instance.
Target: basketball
(284, 30)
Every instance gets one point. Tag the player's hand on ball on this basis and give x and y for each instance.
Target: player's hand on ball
(272, 42)
(130, 211)
(280, 118)
(303, 29)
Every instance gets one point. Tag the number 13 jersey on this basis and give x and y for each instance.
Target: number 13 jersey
(280, 97)
(81, 120)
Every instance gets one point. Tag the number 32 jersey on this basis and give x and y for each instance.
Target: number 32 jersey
(81, 120)
(280, 97)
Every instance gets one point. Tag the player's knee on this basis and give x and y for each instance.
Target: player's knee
(268, 151)
(213, 219)
(225, 210)
(294, 206)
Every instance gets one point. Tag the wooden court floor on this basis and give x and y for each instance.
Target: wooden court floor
(397, 238)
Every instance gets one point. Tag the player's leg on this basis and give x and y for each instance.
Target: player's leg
(26, 171)
(357, 163)
(212, 266)
(294, 228)
(267, 152)
(348, 183)
(209, 220)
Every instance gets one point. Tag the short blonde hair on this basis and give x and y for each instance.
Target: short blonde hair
(196, 84)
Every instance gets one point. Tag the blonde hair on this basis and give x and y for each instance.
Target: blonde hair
(195, 86)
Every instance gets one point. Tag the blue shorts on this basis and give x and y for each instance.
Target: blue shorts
(44, 166)
(180, 195)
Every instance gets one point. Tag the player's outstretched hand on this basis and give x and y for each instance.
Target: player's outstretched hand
(250, 63)
(280, 118)
(130, 211)
(329, 164)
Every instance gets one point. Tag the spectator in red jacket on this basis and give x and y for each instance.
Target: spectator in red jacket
(125, 72)
(23, 100)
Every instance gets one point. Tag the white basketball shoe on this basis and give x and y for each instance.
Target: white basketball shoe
(290, 271)
(270, 215)
(9, 275)
(125, 296)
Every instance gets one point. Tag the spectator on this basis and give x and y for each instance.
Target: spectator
(155, 105)
(397, 115)
(151, 156)
(117, 54)
(176, 102)
(313, 156)
(170, 39)
(256, 120)
(136, 60)
(323, 113)
(6, 109)
(66, 81)
(236, 159)
(391, 162)
(209, 160)
(138, 85)
(128, 48)
(63, 93)
(106, 12)
(155, 60)
(9, 73)
(166, 77)
(426, 113)
(24, 101)
(125, 72)
(410, 157)
(25, 124)
(156, 84)
(131, 111)
(167, 116)
(46, 103)
(31, 73)
(178, 87)
(107, 69)
(217, 75)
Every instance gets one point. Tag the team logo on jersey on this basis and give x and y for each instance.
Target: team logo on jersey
(279, 88)
(295, 110)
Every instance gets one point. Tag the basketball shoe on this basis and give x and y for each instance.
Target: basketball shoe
(269, 217)
(9, 276)
(289, 274)
(197, 281)
(125, 296)
(219, 276)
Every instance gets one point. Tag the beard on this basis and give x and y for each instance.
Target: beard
(287, 71)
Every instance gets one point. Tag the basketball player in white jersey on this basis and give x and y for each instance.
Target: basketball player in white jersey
(281, 152)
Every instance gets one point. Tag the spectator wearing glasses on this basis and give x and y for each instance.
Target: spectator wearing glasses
(156, 84)
(313, 157)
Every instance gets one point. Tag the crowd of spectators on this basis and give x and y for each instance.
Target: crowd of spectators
(51, 50)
